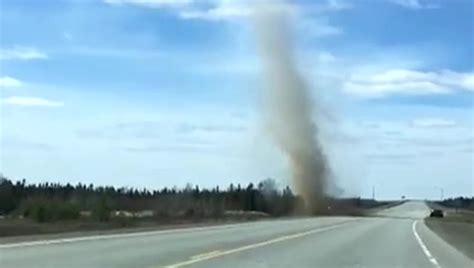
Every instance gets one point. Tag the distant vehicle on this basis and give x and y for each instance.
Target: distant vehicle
(436, 213)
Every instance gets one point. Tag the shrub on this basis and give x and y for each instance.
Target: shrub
(42, 210)
(101, 211)
(122, 221)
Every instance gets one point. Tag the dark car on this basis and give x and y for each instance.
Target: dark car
(436, 213)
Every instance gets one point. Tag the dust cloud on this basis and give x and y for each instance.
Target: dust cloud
(288, 108)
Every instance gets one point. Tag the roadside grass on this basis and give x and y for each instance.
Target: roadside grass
(26, 226)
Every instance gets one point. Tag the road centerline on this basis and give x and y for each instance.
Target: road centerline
(219, 253)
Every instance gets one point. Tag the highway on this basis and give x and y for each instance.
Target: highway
(396, 237)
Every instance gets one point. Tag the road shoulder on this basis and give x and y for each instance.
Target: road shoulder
(76, 234)
(460, 235)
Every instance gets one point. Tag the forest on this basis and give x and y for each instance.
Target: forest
(57, 202)
(47, 202)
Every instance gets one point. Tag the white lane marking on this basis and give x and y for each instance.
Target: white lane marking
(124, 235)
(219, 253)
(423, 246)
(205, 255)
(112, 236)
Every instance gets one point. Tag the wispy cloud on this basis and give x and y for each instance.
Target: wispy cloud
(230, 10)
(390, 156)
(422, 133)
(317, 27)
(21, 53)
(171, 148)
(150, 3)
(156, 129)
(412, 141)
(192, 9)
(433, 123)
(185, 127)
(336, 5)
(15, 143)
(416, 4)
(31, 101)
(432, 142)
(369, 125)
(127, 130)
(235, 11)
(7, 81)
(220, 12)
(225, 10)
(326, 57)
(411, 82)
(113, 52)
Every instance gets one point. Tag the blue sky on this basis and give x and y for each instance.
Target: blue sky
(152, 93)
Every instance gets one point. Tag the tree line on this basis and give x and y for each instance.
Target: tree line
(459, 202)
(45, 202)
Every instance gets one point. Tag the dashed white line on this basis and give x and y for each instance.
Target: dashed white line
(423, 246)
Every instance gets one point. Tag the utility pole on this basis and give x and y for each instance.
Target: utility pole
(441, 193)
(373, 192)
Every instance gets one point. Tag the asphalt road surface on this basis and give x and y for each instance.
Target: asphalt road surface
(397, 237)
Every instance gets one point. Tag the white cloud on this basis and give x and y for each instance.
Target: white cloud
(443, 132)
(18, 143)
(21, 53)
(390, 156)
(224, 11)
(416, 4)
(192, 9)
(405, 81)
(229, 10)
(326, 57)
(7, 81)
(433, 123)
(317, 28)
(331, 6)
(31, 101)
(150, 3)
(216, 10)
